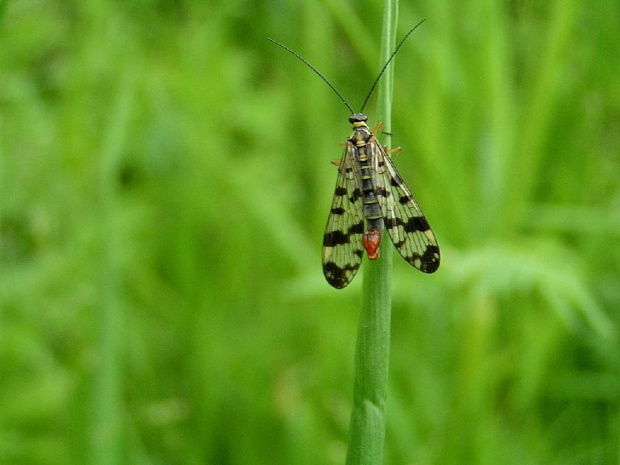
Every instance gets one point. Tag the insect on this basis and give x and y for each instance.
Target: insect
(371, 196)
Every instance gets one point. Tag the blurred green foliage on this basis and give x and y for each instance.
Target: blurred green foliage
(164, 184)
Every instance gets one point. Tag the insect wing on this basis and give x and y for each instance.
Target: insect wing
(406, 224)
(342, 243)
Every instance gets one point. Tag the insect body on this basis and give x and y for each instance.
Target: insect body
(371, 196)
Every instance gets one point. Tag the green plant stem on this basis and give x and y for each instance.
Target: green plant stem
(108, 418)
(367, 428)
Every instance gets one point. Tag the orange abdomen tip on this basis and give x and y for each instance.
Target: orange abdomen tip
(371, 240)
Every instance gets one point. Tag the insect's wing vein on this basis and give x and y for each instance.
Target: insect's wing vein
(342, 243)
(406, 224)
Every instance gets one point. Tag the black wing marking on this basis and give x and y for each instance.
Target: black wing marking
(410, 232)
(342, 243)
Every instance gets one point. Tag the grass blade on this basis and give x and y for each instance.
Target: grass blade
(367, 427)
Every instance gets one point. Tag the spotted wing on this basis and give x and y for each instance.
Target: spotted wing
(410, 232)
(342, 243)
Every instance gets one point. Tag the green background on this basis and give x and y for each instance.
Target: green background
(164, 185)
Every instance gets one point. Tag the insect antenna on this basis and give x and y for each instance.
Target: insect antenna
(388, 62)
(316, 71)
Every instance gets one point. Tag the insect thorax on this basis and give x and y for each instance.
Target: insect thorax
(360, 137)
(361, 134)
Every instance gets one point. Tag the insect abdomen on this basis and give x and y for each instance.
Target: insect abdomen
(372, 209)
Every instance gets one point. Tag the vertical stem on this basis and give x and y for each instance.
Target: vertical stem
(367, 428)
(108, 419)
